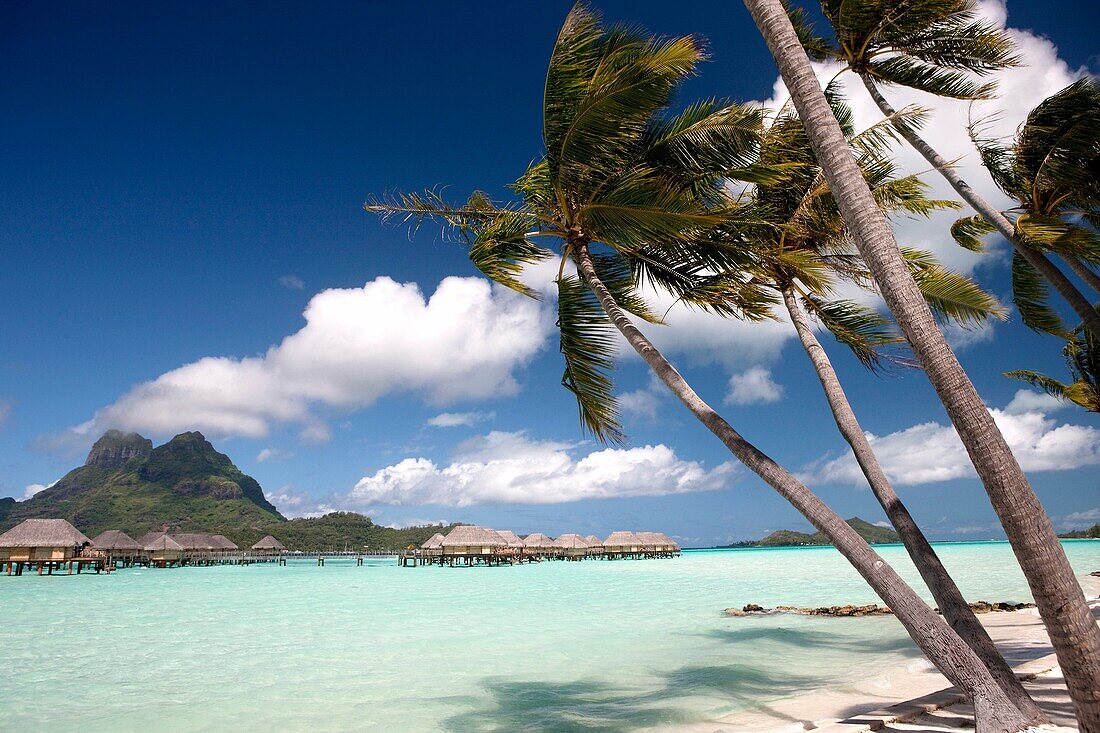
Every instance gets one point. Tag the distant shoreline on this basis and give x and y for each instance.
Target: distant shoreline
(734, 548)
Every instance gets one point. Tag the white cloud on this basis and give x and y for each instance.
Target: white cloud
(1089, 516)
(1027, 400)
(33, 489)
(640, 402)
(506, 467)
(273, 454)
(460, 419)
(753, 386)
(963, 337)
(292, 503)
(465, 342)
(292, 282)
(1019, 90)
(931, 452)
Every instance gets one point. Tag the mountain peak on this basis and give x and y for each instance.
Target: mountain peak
(115, 447)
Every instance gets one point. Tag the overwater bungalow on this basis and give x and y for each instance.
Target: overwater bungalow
(538, 545)
(163, 550)
(515, 544)
(433, 547)
(595, 545)
(119, 548)
(571, 546)
(467, 544)
(623, 544)
(45, 544)
(267, 548)
(657, 544)
(227, 548)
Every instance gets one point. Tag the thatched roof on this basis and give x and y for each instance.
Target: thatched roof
(472, 535)
(434, 542)
(44, 533)
(162, 541)
(223, 542)
(510, 537)
(195, 541)
(269, 543)
(622, 539)
(593, 541)
(538, 540)
(113, 539)
(571, 542)
(650, 539)
(148, 537)
(668, 540)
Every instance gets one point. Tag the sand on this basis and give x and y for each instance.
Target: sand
(901, 694)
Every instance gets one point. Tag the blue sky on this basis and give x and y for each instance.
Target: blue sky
(179, 182)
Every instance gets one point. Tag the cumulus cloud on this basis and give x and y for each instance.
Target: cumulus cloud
(503, 467)
(753, 386)
(273, 454)
(33, 489)
(465, 342)
(931, 452)
(460, 419)
(1028, 400)
(640, 402)
(1019, 90)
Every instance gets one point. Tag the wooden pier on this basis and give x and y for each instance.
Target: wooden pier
(47, 567)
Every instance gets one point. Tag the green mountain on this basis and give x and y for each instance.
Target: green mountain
(127, 484)
(1092, 533)
(873, 533)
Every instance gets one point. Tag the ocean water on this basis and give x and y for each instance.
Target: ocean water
(606, 647)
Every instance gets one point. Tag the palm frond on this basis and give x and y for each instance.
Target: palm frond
(1052, 387)
(909, 72)
(862, 329)
(1031, 295)
(949, 294)
(969, 230)
(587, 341)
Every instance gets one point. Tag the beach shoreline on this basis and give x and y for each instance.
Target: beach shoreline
(852, 705)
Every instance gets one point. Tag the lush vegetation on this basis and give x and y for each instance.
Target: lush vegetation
(872, 533)
(189, 486)
(1092, 533)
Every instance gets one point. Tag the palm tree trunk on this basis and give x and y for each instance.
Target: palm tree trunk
(1084, 272)
(942, 646)
(1034, 257)
(950, 599)
(1073, 632)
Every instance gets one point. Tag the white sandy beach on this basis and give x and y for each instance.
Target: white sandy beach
(892, 699)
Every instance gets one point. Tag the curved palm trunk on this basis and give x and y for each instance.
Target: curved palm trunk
(1034, 257)
(1084, 272)
(939, 643)
(1057, 593)
(950, 599)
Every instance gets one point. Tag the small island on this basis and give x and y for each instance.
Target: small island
(873, 533)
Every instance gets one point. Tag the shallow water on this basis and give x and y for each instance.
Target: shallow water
(606, 647)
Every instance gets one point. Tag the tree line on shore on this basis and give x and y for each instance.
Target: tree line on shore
(749, 213)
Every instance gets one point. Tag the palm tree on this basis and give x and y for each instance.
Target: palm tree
(1082, 354)
(930, 45)
(631, 197)
(809, 246)
(1052, 170)
(1057, 593)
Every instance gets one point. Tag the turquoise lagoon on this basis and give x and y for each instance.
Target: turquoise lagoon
(554, 647)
